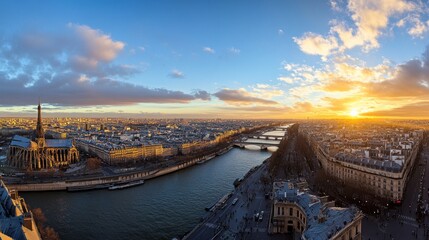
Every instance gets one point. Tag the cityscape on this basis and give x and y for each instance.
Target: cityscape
(214, 120)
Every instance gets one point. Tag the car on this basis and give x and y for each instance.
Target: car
(256, 216)
(261, 216)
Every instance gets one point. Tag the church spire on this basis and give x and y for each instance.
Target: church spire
(39, 128)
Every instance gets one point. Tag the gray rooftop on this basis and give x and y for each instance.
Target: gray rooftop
(10, 224)
(20, 141)
(59, 143)
(336, 218)
(53, 143)
(389, 166)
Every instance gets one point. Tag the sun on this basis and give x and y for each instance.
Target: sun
(354, 112)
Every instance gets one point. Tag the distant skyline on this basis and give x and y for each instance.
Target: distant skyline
(215, 59)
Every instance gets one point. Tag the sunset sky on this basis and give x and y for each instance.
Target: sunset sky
(210, 59)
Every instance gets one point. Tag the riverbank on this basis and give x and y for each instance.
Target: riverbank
(84, 183)
(101, 182)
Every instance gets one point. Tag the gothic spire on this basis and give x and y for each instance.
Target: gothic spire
(39, 128)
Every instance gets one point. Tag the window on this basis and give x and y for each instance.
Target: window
(278, 210)
(290, 212)
(297, 213)
(283, 211)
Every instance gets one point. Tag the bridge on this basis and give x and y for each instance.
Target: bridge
(263, 146)
(266, 137)
(281, 128)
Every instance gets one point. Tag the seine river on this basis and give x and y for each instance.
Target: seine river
(162, 208)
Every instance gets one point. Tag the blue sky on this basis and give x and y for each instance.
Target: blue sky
(262, 59)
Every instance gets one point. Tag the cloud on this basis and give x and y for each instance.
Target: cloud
(316, 44)
(240, 97)
(280, 32)
(253, 109)
(143, 49)
(345, 83)
(201, 94)
(338, 104)
(335, 5)
(340, 85)
(370, 18)
(414, 110)
(286, 79)
(72, 89)
(176, 74)
(266, 91)
(411, 79)
(208, 50)
(414, 23)
(74, 68)
(97, 46)
(234, 50)
(418, 27)
(303, 106)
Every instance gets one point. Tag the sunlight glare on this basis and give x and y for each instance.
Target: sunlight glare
(354, 112)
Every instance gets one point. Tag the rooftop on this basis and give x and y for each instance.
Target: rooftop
(12, 215)
(389, 166)
(335, 218)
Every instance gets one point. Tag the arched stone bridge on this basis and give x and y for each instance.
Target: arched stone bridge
(263, 146)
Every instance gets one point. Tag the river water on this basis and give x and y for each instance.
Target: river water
(162, 208)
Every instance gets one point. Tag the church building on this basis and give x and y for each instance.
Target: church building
(41, 153)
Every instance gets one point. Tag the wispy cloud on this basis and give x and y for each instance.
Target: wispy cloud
(176, 74)
(208, 50)
(234, 50)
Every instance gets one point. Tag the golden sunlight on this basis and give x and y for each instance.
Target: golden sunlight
(354, 112)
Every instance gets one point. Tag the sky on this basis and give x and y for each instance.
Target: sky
(215, 59)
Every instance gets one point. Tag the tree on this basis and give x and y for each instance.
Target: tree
(47, 233)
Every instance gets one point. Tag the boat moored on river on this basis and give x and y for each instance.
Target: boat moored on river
(126, 185)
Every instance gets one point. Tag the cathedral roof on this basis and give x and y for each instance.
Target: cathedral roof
(59, 143)
(20, 141)
(24, 142)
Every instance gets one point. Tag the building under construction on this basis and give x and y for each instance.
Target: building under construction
(41, 153)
